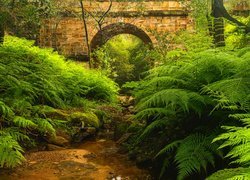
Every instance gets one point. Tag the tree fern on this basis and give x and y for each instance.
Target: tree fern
(10, 152)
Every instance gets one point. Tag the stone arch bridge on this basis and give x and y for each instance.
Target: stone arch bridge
(141, 19)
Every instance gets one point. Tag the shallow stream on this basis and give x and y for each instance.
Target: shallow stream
(92, 160)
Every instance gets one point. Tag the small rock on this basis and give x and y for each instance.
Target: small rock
(131, 109)
(52, 147)
(91, 130)
(59, 141)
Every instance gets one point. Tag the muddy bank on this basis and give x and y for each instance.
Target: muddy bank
(92, 160)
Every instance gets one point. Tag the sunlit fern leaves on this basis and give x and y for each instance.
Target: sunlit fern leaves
(15, 133)
(5, 111)
(231, 174)
(235, 90)
(23, 122)
(10, 152)
(193, 154)
(172, 99)
(238, 139)
(45, 127)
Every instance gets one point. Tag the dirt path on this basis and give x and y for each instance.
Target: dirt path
(93, 160)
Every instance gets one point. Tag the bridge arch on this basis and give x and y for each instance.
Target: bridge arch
(111, 30)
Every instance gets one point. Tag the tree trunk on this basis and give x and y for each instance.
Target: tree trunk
(219, 12)
(219, 38)
(86, 31)
(1, 33)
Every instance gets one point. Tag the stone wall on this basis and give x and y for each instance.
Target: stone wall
(68, 37)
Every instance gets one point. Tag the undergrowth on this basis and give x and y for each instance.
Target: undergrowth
(196, 95)
(32, 78)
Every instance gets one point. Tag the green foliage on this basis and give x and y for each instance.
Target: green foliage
(33, 82)
(42, 77)
(10, 152)
(24, 123)
(199, 89)
(231, 174)
(193, 154)
(238, 138)
(86, 119)
(235, 37)
(123, 58)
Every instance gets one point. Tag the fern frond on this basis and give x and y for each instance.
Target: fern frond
(10, 152)
(172, 99)
(156, 125)
(45, 127)
(238, 138)
(23, 122)
(165, 81)
(156, 112)
(170, 147)
(231, 174)
(194, 154)
(5, 111)
(15, 133)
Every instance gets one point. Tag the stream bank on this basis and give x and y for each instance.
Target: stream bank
(99, 156)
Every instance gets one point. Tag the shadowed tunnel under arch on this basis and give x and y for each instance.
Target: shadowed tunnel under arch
(115, 29)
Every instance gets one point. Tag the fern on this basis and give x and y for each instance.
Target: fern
(172, 99)
(15, 133)
(193, 154)
(156, 125)
(10, 152)
(5, 111)
(231, 174)
(45, 127)
(238, 138)
(24, 123)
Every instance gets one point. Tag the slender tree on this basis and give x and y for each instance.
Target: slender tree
(85, 30)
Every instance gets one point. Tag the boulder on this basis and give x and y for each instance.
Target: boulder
(59, 141)
(85, 119)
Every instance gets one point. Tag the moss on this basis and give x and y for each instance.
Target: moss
(88, 118)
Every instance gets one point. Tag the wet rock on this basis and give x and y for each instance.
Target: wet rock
(64, 134)
(52, 147)
(91, 130)
(90, 156)
(80, 136)
(85, 119)
(126, 101)
(131, 109)
(59, 141)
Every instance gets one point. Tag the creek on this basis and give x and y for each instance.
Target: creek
(97, 159)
